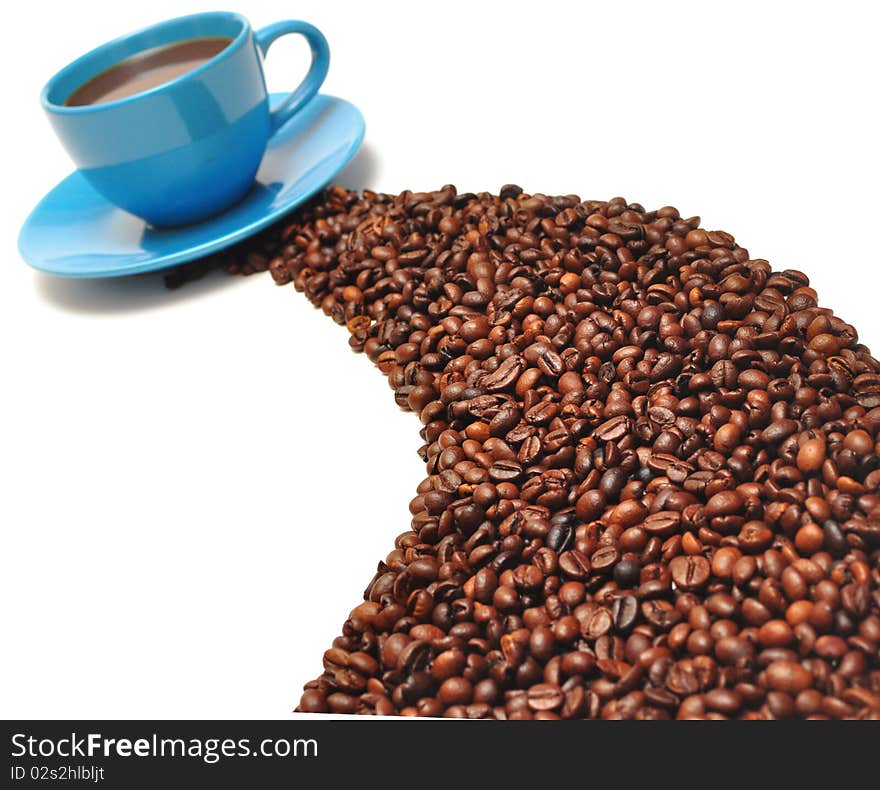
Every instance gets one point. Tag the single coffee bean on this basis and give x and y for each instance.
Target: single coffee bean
(691, 572)
(663, 524)
(545, 696)
(625, 612)
(788, 676)
(627, 573)
(455, 691)
(560, 536)
(604, 558)
(612, 430)
(505, 471)
(597, 624)
(574, 564)
(506, 374)
(811, 455)
(834, 539)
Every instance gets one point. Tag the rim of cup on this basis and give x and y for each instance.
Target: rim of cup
(52, 102)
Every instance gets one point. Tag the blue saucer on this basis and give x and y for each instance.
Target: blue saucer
(75, 232)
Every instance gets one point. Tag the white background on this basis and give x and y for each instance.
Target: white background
(196, 485)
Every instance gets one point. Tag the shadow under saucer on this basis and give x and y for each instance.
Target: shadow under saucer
(114, 295)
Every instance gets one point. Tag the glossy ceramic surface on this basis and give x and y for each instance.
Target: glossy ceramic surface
(190, 147)
(76, 232)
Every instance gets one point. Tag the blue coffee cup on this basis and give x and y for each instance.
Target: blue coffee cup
(191, 147)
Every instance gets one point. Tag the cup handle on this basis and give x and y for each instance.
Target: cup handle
(317, 71)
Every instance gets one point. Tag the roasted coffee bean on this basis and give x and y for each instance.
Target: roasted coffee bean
(455, 691)
(834, 539)
(788, 676)
(551, 364)
(663, 523)
(597, 624)
(690, 573)
(625, 612)
(651, 463)
(560, 536)
(545, 696)
(612, 430)
(604, 558)
(505, 375)
(682, 680)
(811, 455)
(505, 471)
(574, 564)
(627, 573)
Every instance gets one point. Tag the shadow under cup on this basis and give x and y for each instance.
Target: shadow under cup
(182, 151)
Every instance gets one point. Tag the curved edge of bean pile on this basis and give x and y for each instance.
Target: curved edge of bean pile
(653, 463)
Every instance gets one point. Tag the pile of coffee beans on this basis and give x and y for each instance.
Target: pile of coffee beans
(653, 464)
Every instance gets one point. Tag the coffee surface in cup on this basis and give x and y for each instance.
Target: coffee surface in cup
(147, 70)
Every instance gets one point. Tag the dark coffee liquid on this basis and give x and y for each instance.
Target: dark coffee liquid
(146, 70)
